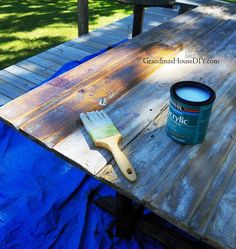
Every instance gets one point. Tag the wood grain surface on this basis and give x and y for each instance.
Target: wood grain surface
(191, 186)
(51, 121)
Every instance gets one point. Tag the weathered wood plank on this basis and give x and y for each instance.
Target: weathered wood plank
(93, 41)
(165, 12)
(218, 75)
(150, 20)
(110, 87)
(73, 152)
(121, 34)
(147, 94)
(81, 45)
(118, 27)
(173, 201)
(53, 58)
(208, 209)
(197, 21)
(191, 180)
(224, 220)
(170, 166)
(125, 23)
(105, 37)
(74, 79)
(28, 65)
(151, 17)
(212, 80)
(10, 90)
(4, 99)
(21, 83)
(25, 74)
(44, 63)
(68, 52)
(121, 115)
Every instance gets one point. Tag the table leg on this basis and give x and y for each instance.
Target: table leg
(83, 25)
(138, 20)
(124, 216)
(130, 219)
(125, 211)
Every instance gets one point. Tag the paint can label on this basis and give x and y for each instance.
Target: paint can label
(187, 122)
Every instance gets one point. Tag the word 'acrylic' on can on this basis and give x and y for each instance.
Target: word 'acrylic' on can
(189, 112)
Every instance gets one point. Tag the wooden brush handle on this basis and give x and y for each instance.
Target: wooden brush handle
(123, 163)
(111, 144)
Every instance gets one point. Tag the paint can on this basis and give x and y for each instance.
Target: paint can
(189, 111)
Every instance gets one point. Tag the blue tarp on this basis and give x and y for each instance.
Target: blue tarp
(48, 203)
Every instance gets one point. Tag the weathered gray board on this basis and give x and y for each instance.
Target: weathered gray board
(190, 186)
(187, 185)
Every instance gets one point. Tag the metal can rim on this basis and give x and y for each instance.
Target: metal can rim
(193, 84)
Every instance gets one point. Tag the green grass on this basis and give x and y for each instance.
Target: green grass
(32, 26)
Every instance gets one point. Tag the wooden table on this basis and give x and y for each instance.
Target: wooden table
(193, 187)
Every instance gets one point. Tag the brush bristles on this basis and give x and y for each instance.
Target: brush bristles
(94, 120)
(98, 125)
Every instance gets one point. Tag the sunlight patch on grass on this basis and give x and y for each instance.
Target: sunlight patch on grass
(33, 26)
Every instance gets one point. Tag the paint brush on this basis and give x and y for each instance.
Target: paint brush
(105, 135)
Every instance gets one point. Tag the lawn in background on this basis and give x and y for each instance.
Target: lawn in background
(32, 26)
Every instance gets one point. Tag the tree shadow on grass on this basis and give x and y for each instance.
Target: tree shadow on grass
(10, 57)
(27, 16)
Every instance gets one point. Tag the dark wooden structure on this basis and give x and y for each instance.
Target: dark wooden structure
(138, 10)
(83, 25)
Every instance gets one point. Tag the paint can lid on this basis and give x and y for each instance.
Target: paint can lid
(193, 93)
